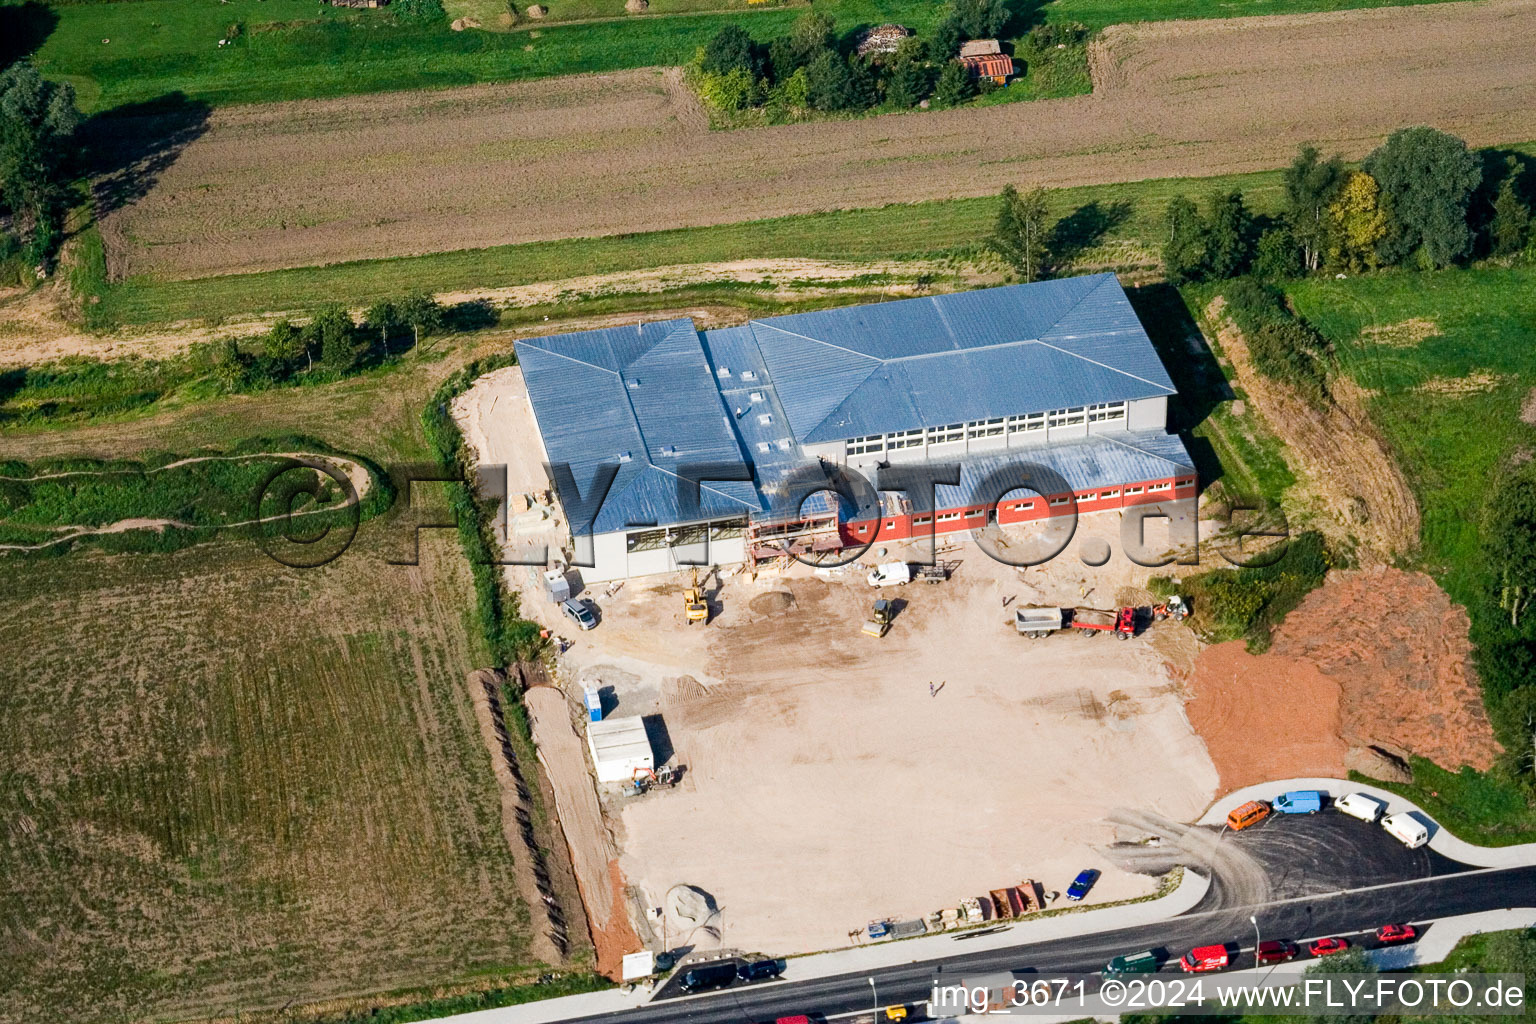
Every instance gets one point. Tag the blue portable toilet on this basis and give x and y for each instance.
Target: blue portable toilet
(594, 705)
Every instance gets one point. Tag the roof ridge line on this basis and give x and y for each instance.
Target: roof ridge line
(1080, 299)
(571, 358)
(807, 337)
(1112, 369)
(702, 485)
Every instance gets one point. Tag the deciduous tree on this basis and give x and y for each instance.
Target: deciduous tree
(1310, 186)
(383, 316)
(1359, 224)
(1426, 178)
(1184, 248)
(1277, 255)
(331, 332)
(1020, 233)
(285, 343)
(423, 313)
(38, 121)
(1228, 249)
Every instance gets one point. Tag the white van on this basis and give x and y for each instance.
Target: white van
(890, 574)
(1406, 829)
(1358, 805)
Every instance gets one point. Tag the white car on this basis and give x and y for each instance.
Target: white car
(890, 574)
(1358, 805)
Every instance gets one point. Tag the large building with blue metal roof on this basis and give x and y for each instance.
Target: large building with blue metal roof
(1056, 382)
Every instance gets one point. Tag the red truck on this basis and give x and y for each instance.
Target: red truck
(1091, 620)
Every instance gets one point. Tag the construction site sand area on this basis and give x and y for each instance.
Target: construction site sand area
(298, 184)
(827, 786)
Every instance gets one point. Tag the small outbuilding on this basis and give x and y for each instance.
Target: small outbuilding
(984, 58)
(620, 747)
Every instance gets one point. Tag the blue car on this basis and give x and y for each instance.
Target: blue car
(1081, 884)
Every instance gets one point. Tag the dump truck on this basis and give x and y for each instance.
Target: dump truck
(879, 622)
(1036, 622)
(1091, 621)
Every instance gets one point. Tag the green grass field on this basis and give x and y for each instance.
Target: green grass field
(1449, 402)
(149, 50)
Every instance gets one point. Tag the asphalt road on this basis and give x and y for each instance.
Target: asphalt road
(1331, 875)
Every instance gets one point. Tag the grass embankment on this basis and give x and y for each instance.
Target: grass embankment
(1103, 225)
(1446, 360)
(292, 49)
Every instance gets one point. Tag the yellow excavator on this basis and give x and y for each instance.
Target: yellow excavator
(694, 608)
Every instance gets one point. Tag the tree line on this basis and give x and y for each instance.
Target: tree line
(331, 344)
(810, 69)
(1421, 200)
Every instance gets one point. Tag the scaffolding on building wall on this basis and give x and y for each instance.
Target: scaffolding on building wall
(775, 540)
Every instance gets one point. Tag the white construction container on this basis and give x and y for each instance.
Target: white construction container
(619, 748)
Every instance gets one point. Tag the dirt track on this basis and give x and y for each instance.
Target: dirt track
(298, 184)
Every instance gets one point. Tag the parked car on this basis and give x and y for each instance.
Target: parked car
(1205, 958)
(1300, 801)
(1250, 813)
(1396, 933)
(1145, 962)
(760, 970)
(1274, 951)
(1328, 946)
(578, 612)
(1358, 805)
(708, 976)
(891, 574)
(1082, 883)
(1406, 829)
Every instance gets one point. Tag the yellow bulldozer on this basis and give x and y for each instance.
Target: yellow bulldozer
(694, 608)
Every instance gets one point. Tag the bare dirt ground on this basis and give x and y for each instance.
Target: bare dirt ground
(296, 184)
(825, 786)
(1375, 658)
(1343, 460)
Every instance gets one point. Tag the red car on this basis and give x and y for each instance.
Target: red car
(1396, 933)
(1274, 952)
(1324, 947)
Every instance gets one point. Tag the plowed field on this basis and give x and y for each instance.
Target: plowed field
(298, 184)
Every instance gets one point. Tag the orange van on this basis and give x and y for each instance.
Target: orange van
(1251, 813)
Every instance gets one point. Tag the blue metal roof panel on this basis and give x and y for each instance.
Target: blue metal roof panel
(643, 398)
(983, 351)
(1100, 460)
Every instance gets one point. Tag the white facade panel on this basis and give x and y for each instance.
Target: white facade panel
(1148, 414)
